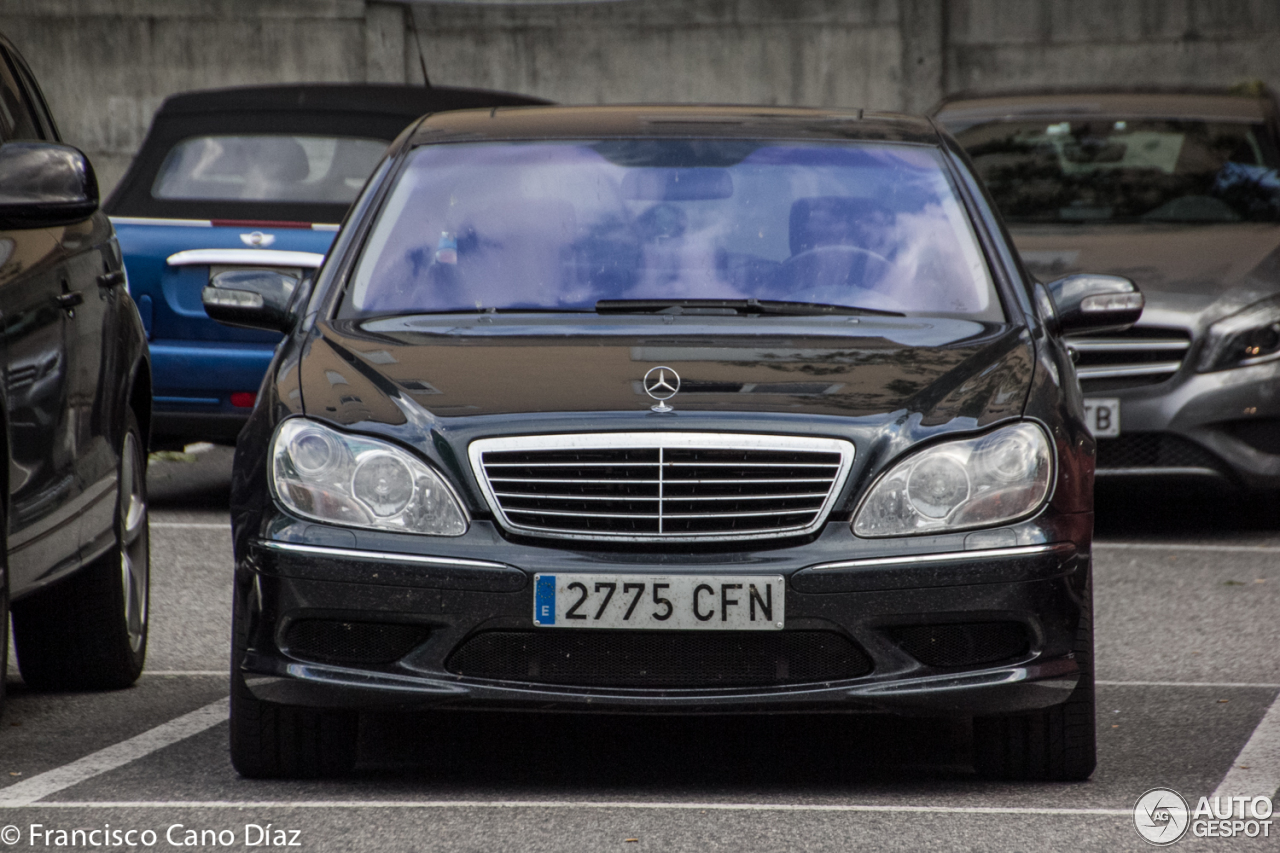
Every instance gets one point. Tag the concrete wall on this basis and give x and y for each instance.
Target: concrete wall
(106, 64)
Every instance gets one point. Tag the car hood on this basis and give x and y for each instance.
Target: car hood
(1190, 275)
(390, 371)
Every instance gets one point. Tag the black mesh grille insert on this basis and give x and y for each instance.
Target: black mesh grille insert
(962, 645)
(1153, 450)
(660, 658)
(331, 641)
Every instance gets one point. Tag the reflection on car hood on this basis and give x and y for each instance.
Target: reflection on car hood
(391, 371)
(1191, 275)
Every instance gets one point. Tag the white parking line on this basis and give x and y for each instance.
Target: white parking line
(1177, 546)
(27, 791)
(187, 672)
(1256, 770)
(190, 525)
(570, 804)
(1188, 684)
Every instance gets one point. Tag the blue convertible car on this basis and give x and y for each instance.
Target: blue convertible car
(246, 178)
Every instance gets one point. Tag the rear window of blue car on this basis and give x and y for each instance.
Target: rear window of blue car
(263, 167)
(562, 225)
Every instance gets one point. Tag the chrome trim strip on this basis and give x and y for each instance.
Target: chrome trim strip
(942, 557)
(1118, 370)
(147, 220)
(246, 258)
(1144, 345)
(379, 556)
(665, 440)
(1187, 471)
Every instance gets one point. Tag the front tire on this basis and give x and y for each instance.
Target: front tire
(1057, 744)
(273, 741)
(89, 632)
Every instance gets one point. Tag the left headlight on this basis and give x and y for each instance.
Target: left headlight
(326, 475)
(1247, 337)
(975, 482)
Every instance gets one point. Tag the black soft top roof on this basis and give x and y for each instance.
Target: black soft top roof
(375, 111)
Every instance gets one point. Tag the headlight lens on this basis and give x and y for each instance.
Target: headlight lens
(320, 473)
(1247, 337)
(976, 482)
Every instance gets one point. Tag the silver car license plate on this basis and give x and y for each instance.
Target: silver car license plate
(660, 602)
(1102, 414)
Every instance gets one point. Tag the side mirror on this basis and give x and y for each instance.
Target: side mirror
(251, 299)
(1095, 303)
(44, 184)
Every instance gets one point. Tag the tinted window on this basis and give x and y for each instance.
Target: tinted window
(1092, 170)
(16, 119)
(48, 128)
(267, 168)
(561, 225)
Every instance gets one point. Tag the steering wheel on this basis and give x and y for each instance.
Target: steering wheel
(811, 263)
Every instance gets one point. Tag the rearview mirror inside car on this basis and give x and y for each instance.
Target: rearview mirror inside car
(43, 184)
(1095, 303)
(251, 298)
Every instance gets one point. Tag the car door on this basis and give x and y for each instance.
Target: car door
(35, 309)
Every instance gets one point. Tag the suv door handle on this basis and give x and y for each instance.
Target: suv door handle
(111, 279)
(69, 300)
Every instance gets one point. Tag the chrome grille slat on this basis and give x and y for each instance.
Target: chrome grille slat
(647, 486)
(1142, 355)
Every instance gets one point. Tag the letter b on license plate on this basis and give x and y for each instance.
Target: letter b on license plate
(659, 602)
(1102, 414)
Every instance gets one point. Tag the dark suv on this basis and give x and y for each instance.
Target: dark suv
(77, 402)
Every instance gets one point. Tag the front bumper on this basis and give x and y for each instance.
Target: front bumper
(1216, 420)
(1038, 584)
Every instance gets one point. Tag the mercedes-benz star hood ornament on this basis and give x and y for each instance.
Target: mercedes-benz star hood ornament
(661, 383)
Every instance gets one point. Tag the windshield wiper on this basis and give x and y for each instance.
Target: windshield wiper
(731, 307)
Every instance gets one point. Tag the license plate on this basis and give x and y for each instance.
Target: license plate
(1102, 414)
(660, 602)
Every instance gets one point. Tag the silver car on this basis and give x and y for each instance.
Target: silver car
(1178, 191)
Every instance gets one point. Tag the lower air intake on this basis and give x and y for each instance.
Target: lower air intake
(331, 641)
(962, 645)
(659, 659)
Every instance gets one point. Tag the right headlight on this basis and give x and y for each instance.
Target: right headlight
(1246, 337)
(320, 473)
(973, 482)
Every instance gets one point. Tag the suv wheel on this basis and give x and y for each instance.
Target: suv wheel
(90, 631)
(1055, 744)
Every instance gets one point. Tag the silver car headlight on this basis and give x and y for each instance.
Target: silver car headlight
(320, 473)
(974, 482)
(1247, 337)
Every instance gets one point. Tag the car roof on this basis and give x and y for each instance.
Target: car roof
(387, 98)
(672, 121)
(1219, 104)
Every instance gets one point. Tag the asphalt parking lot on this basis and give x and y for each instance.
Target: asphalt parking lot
(1188, 647)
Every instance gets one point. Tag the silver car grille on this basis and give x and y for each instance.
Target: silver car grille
(655, 486)
(1138, 356)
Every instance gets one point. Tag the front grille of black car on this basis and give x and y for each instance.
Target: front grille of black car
(1161, 450)
(334, 641)
(968, 644)
(661, 486)
(1132, 358)
(660, 659)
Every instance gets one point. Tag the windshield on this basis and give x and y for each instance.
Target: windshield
(260, 167)
(1121, 170)
(564, 225)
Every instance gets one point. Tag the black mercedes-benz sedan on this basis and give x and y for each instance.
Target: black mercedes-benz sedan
(667, 409)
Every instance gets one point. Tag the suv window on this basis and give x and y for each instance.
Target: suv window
(17, 119)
